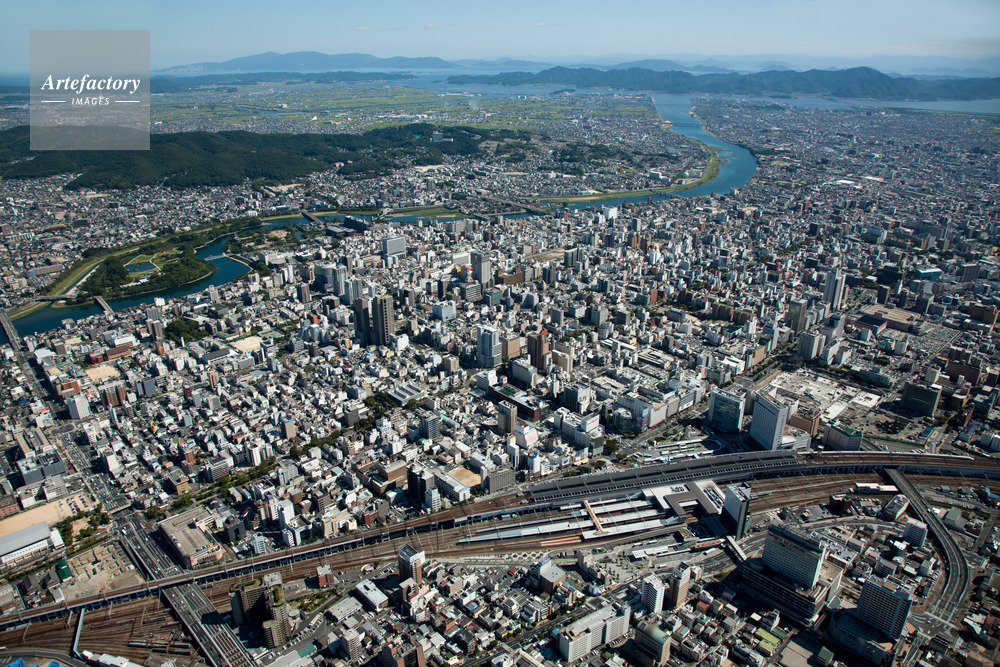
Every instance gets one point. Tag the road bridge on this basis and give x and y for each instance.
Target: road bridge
(108, 310)
(735, 548)
(164, 574)
(17, 343)
(528, 208)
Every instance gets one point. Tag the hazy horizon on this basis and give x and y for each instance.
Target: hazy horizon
(790, 29)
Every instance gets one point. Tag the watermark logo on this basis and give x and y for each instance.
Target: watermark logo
(89, 90)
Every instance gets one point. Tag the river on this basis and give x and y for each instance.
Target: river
(736, 168)
(738, 165)
(51, 318)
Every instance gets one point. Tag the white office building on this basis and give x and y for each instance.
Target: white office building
(488, 348)
(885, 605)
(770, 416)
(653, 591)
(604, 625)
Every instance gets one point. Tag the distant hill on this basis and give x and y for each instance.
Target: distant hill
(309, 61)
(858, 82)
(661, 65)
(173, 83)
(189, 159)
(502, 63)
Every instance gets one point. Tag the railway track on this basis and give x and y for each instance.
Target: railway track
(442, 542)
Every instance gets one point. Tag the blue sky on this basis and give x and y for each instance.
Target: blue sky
(185, 31)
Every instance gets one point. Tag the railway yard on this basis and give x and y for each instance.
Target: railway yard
(549, 517)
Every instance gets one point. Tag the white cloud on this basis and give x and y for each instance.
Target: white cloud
(432, 25)
(365, 28)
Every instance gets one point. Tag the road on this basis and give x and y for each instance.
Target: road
(97, 485)
(940, 614)
(199, 616)
(33, 653)
(22, 360)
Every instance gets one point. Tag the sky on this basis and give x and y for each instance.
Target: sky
(185, 31)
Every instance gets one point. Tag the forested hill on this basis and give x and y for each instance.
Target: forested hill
(857, 83)
(173, 84)
(189, 159)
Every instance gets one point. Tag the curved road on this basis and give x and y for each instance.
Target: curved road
(942, 610)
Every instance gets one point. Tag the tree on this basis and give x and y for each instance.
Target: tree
(65, 528)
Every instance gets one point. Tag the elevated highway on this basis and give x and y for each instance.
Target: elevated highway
(163, 574)
(760, 465)
(544, 497)
(958, 575)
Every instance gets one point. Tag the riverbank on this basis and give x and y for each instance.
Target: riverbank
(35, 306)
(80, 274)
(65, 304)
(729, 166)
(711, 172)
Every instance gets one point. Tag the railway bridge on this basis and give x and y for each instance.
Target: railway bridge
(546, 496)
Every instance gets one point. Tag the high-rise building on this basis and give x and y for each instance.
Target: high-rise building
(794, 554)
(811, 344)
(488, 349)
(340, 280)
(352, 290)
(506, 417)
(393, 245)
(680, 582)
(652, 645)
(432, 500)
(263, 604)
(383, 323)
(593, 630)
(538, 349)
(833, 289)
(885, 605)
(79, 407)
(736, 509)
(500, 479)
(430, 426)
(882, 295)
(922, 399)
(362, 321)
(482, 271)
(303, 293)
(277, 629)
(418, 480)
(350, 643)
(653, 592)
(793, 574)
(796, 319)
(411, 564)
(915, 533)
(157, 330)
(833, 328)
(770, 416)
(725, 411)
(445, 310)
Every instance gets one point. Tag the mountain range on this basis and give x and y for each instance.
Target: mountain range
(855, 83)
(310, 61)
(314, 61)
